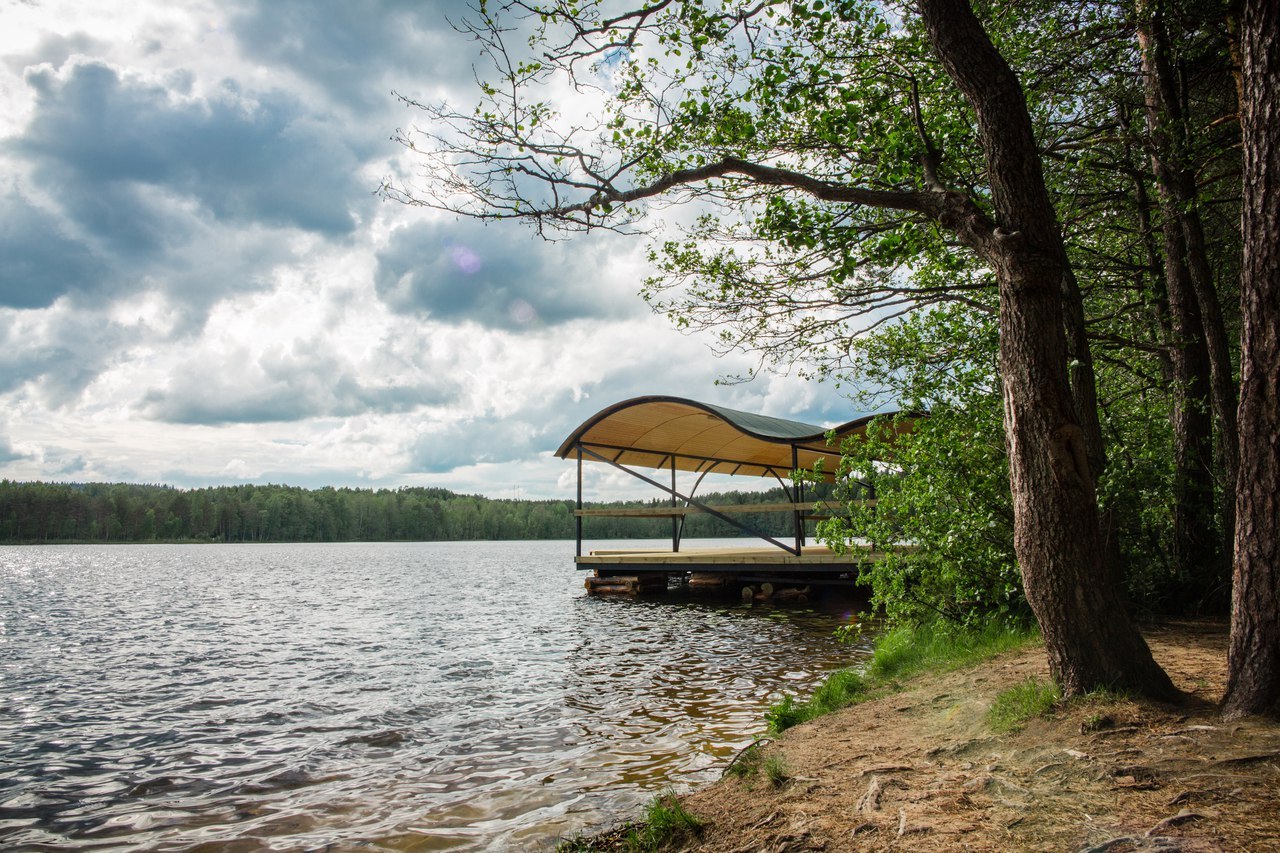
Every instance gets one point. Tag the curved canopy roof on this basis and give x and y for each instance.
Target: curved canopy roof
(649, 432)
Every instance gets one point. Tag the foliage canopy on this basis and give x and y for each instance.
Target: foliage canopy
(837, 213)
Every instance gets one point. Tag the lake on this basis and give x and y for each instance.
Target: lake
(417, 696)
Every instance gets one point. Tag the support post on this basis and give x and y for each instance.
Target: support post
(675, 523)
(797, 496)
(692, 492)
(579, 517)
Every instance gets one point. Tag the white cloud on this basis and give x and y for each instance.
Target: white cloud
(199, 286)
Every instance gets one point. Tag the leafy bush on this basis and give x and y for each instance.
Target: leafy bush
(943, 513)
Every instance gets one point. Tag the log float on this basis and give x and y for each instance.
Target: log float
(626, 584)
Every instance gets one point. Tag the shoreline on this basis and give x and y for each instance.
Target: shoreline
(923, 769)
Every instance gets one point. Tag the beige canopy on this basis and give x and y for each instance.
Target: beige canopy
(659, 432)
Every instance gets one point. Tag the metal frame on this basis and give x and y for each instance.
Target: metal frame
(701, 476)
(579, 517)
(688, 499)
(665, 455)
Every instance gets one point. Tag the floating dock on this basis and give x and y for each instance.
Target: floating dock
(651, 570)
(670, 434)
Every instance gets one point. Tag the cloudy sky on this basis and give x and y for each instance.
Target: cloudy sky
(199, 286)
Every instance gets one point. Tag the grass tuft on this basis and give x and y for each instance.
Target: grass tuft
(666, 822)
(844, 687)
(666, 825)
(1013, 707)
(1104, 696)
(747, 763)
(775, 770)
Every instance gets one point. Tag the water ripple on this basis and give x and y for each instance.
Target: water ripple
(440, 696)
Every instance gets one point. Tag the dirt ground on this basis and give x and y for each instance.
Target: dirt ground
(921, 770)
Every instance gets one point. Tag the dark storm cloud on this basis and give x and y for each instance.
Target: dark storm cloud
(502, 277)
(358, 51)
(302, 383)
(109, 146)
(41, 262)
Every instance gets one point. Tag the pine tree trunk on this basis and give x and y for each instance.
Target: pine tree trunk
(1179, 201)
(1253, 685)
(1195, 546)
(1089, 636)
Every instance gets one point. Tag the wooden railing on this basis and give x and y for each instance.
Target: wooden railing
(812, 509)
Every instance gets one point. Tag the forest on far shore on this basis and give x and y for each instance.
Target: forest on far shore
(121, 512)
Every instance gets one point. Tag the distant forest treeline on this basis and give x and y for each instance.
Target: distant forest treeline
(121, 512)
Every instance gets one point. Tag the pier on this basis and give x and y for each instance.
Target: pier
(667, 435)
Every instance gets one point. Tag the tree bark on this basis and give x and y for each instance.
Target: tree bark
(1195, 547)
(1196, 551)
(1158, 298)
(1179, 199)
(1091, 640)
(1253, 681)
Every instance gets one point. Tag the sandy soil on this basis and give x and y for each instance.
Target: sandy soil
(921, 770)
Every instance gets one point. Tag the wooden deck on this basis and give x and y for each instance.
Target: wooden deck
(814, 559)
(755, 571)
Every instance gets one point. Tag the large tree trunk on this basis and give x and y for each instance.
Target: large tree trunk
(1084, 396)
(1196, 551)
(1179, 200)
(1253, 685)
(1089, 636)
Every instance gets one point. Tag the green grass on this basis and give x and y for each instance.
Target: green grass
(665, 822)
(775, 770)
(1103, 696)
(908, 650)
(747, 764)
(1013, 707)
(900, 653)
(1102, 699)
(752, 762)
(840, 689)
(666, 825)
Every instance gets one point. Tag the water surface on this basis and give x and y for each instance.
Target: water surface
(434, 696)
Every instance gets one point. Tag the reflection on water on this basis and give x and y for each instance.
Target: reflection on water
(439, 696)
